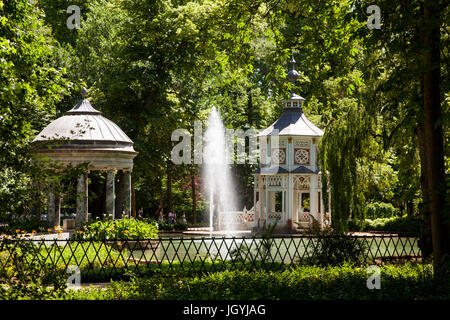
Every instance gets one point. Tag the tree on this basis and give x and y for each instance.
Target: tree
(433, 136)
(410, 42)
(31, 84)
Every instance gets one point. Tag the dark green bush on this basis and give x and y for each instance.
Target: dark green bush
(403, 224)
(24, 225)
(178, 226)
(410, 281)
(28, 278)
(377, 210)
(118, 229)
(332, 248)
(336, 250)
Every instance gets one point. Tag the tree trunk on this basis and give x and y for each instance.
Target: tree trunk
(161, 201)
(194, 197)
(133, 200)
(249, 106)
(426, 245)
(169, 188)
(435, 171)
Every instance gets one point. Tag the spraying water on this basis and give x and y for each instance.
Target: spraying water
(217, 172)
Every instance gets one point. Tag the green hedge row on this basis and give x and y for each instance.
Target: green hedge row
(403, 224)
(126, 228)
(345, 282)
(377, 210)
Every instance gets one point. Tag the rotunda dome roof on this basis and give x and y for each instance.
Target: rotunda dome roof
(84, 135)
(84, 125)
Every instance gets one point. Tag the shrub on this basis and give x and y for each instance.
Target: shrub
(118, 229)
(403, 224)
(165, 226)
(380, 210)
(333, 248)
(24, 225)
(410, 281)
(33, 279)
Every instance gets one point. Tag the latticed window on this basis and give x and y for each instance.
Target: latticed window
(279, 156)
(301, 156)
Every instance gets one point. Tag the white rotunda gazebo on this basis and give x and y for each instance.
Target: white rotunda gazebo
(83, 135)
(287, 186)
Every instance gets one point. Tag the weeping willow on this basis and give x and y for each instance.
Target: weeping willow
(343, 147)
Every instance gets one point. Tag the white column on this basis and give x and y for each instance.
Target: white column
(313, 196)
(267, 199)
(321, 208)
(313, 157)
(51, 206)
(126, 184)
(82, 200)
(110, 193)
(291, 198)
(262, 201)
(57, 217)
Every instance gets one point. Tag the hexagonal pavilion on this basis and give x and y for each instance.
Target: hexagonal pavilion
(287, 186)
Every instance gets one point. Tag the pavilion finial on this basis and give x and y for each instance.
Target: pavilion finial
(293, 62)
(292, 75)
(294, 101)
(84, 93)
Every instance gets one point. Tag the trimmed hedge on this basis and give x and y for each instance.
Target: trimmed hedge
(403, 224)
(376, 210)
(400, 282)
(126, 228)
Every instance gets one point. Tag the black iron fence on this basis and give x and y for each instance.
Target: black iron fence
(105, 259)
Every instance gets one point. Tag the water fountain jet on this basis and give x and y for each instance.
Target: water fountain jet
(217, 173)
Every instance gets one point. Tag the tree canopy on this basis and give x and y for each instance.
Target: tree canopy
(155, 66)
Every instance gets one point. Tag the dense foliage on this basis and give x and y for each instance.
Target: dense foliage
(118, 229)
(24, 225)
(402, 282)
(380, 210)
(405, 224)
(30, 279)
(156, 66)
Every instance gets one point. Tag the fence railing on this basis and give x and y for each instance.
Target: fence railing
(100, 259)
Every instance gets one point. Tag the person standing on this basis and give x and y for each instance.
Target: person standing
(170, 217)
(183, 218)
